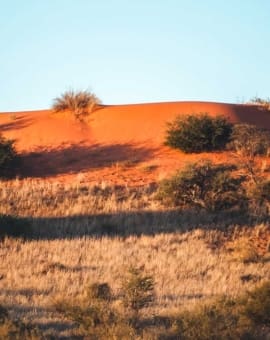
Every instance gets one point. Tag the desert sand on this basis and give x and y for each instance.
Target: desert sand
(121, 144)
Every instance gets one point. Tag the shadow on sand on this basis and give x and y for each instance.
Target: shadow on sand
(79, 158)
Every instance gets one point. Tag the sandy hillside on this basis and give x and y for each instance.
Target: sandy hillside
(119, 143)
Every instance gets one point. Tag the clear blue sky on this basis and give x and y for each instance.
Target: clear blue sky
(130, 51)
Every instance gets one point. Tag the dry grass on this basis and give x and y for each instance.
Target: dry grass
(80, 103)
(85, 234)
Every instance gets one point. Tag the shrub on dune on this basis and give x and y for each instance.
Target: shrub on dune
(80, 103)
(198, 133)
(202, 185)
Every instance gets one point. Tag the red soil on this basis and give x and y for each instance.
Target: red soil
(118, 144)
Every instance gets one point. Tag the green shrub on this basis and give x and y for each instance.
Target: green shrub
(202, 185)
(138, 290)
(198, 133)
(14, 226)
(80, 103)
(8, 158)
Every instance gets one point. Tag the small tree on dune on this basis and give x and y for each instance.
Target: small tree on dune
(80, 103)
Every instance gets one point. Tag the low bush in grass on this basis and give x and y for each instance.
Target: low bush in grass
(14, 227)
(8, 158)
(204, 186)
(96, 315)
(198, 133)
(138, 290)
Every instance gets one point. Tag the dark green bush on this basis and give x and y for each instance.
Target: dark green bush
(14, 227)
(8, 158)
(198, 133)
(202, 185)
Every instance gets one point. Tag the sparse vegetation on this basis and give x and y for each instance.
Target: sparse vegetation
(204, 186)
(264, 103)
(198, 133)
(138, 290)
(80, 103)
(249, 140)
(246, 317)
(84, 236)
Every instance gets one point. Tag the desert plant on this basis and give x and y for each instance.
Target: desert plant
(198, 133)
(138, 290)
(202, 185)
(80, 103)
(8, 158)
(265, 103)
(249, 142)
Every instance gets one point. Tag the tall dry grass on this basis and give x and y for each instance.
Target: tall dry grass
(84, 234)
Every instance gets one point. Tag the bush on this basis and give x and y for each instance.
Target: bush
(95, 315)
(138, 290)
(202, 185)
(80, 103)
(14, 226)
(264, 103)
(198, 133)
(8, 158)
(249, 140)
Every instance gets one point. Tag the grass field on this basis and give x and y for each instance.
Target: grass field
(80, 234)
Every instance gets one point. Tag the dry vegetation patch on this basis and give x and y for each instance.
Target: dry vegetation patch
(84, 234)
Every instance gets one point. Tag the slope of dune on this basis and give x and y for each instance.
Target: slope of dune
(118, 143)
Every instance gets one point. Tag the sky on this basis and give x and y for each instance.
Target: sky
(133, 51)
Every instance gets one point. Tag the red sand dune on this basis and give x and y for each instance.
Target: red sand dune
(117, 143)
